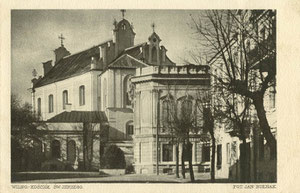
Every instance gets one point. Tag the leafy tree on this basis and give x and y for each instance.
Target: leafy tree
(24, 133)
(113, 158)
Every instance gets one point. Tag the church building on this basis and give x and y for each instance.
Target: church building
(113, 94)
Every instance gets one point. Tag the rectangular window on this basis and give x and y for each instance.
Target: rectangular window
(228, 152)
(219, 156)
(39, 107)
(50, 98)
(205, 153)
(167, 152)
(198, 152)
(272, 101)
(129, 130)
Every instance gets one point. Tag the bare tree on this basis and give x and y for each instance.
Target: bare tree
(235, 112)
(244, 42)
(181, 118)
(205, 106)
(90, 134)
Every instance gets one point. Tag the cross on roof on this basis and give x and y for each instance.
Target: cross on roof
(61, 37)
(153, 26)
(123, 12)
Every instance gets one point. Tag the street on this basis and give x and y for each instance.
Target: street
(95, 177)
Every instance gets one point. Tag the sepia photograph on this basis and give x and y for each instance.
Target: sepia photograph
(143, 96)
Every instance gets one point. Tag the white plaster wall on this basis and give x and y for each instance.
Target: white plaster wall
(117, 123)
(118, 115)
(145, 115)
(115, 83)
(89, 80)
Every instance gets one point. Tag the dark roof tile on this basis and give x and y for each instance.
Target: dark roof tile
(80, 117)
(70, 66)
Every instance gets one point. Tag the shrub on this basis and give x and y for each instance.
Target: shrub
(113, 158)
(129, 169)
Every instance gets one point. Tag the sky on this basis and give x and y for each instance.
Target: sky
(34, 36)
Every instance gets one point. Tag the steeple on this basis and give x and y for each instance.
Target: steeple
(61, 51)
(154, 49)
(123, 34)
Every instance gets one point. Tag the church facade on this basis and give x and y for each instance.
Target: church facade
(114, 93)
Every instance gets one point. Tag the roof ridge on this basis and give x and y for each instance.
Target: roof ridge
(137, 60)
(134, 46)
(87, 49)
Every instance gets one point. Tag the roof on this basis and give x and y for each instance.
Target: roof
(72, 65)
(120, 23)
(127, 61)
(80, 117)
(136, 52)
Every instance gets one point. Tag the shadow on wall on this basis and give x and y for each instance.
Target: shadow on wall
(265, 170)
(117, 135)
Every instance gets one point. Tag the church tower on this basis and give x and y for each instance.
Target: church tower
(61, 51)
(123, 35)
(154, 50)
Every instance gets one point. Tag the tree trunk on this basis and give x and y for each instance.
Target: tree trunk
(177, 160)
(213, 158)
(255, 154)
(190, 156)
(85, 148)
(182, 162)
(264, 124)
(243, 169)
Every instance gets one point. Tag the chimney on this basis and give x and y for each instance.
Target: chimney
(60, 53)
(93, 63)
(103, 55)
(68, 107)
(47, 66)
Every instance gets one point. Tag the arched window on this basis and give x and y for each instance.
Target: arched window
(50, 101)
(104, 93)
(129, 129)
(71, 151)
(154, 54)
(81, 95)
(39, 107)
(167, 113)
(126, 91)
(65, 98)
(198, 113)
(185, 108)
(55, 149)
(123, 26)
